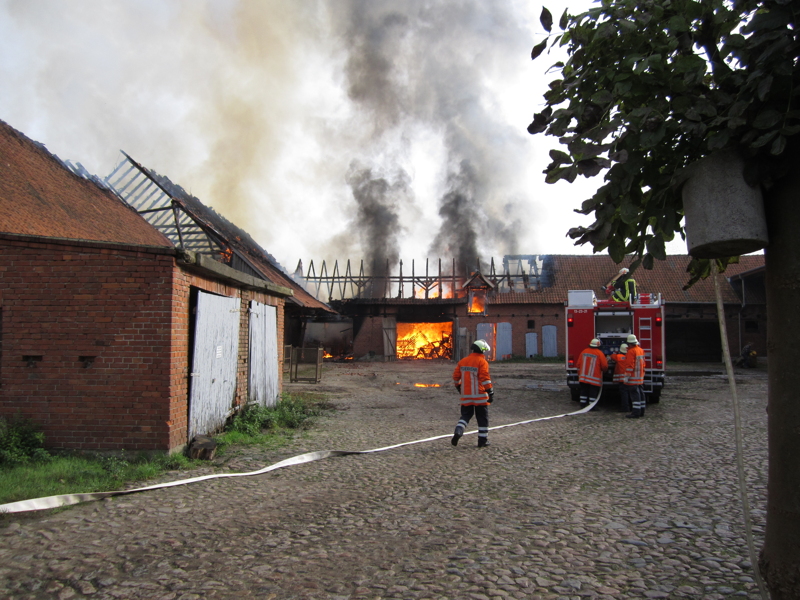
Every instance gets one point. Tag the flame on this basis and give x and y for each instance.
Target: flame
(477, 303)
(326, 354)
(424, 340)
(427, 385)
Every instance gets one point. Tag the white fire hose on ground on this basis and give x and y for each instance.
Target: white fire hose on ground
(69, 499)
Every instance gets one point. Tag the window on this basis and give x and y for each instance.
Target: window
(751, 326)
(531, 324)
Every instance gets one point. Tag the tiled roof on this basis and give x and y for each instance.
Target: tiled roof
(592, 272)
(39, 196)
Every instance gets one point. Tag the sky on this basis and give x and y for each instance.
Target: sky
(326, 129)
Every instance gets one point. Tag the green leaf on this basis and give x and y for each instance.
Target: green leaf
(560, 157)
(538, 49)
(616, 249)
(677, 24)
(764, 86)
(564, 21)
(719, 139)
(764, 139)
(647, 262)
(656, 247)
(628, 212)
(778, 145)
(546, 19)
(766, 119)
(602, 97)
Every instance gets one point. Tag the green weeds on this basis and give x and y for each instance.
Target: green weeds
(27, 470)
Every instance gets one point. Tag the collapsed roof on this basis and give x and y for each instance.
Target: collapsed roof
(194, 227)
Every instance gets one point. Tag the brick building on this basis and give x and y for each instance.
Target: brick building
(112, 336)
(529, 319)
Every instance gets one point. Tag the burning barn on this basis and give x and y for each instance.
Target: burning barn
(518, 306)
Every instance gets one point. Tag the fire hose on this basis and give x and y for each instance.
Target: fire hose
(70, 499)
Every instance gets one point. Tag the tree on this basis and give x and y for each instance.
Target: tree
(649, 87)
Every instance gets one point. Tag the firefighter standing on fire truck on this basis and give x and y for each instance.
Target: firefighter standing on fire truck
(592, 363)
(471, 378)
(634, 377)
(619, 377)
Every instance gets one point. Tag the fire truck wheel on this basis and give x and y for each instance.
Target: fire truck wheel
(575, 393)
(654, 397)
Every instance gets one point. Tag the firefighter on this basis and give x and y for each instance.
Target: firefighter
(592, 362)
(471, 378)
(622, 288)
(619, 377)
(634, 377)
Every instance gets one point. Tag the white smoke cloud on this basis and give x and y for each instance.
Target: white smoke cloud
(260, 108)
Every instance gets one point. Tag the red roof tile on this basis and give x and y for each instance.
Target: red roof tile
(39, 196)
(592, 272)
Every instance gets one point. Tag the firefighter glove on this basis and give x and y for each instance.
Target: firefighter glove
(491, 395)
(458, 387)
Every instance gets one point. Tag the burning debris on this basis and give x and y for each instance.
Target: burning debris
(425, 340)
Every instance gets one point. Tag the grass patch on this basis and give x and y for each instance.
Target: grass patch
(71, 474)
(27, 470)
(272, 426)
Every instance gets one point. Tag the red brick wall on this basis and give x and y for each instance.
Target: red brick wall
(180, 351)
(61, 302)
(126, 307)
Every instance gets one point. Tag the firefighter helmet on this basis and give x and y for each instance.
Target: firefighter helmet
(482, 346)
(632, 339)
(623, 348)
(595, 343)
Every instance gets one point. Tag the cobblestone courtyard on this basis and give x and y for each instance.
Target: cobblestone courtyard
(588, 506)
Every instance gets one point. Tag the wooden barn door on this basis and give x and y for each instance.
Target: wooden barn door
(504, 345)
(216, 345)
(263, 382)
(549, 340)
(486, 332)
(531, 344)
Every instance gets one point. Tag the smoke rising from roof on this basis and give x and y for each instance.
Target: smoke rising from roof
(261, 109)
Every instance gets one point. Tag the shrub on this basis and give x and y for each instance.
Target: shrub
(21, 442)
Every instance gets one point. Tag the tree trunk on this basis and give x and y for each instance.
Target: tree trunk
(780, 556)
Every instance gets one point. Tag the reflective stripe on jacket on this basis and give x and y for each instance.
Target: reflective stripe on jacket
(619, 367)
(635, 365)
(472, 374)
(591, 364)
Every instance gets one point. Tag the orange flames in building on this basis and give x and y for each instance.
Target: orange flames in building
(326, 354)
(477, 303)
(424, 340)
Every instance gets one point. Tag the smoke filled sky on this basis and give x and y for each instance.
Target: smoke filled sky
(324, 128)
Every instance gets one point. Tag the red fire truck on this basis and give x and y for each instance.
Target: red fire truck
(611, 322)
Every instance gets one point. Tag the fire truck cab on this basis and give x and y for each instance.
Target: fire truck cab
(611, 322)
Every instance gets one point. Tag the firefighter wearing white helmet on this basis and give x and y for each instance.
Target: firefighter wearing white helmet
(471, 378)
(634, 377)
(619, 376)
(592, 363)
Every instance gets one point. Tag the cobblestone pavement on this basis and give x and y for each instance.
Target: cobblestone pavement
(588, 506)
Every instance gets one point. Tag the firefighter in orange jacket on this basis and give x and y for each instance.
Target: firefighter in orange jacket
(592, 362)
(471, 378)
(619, 377)
(634, 377)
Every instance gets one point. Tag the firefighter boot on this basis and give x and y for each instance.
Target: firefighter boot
(483, 442)
(457, 436)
